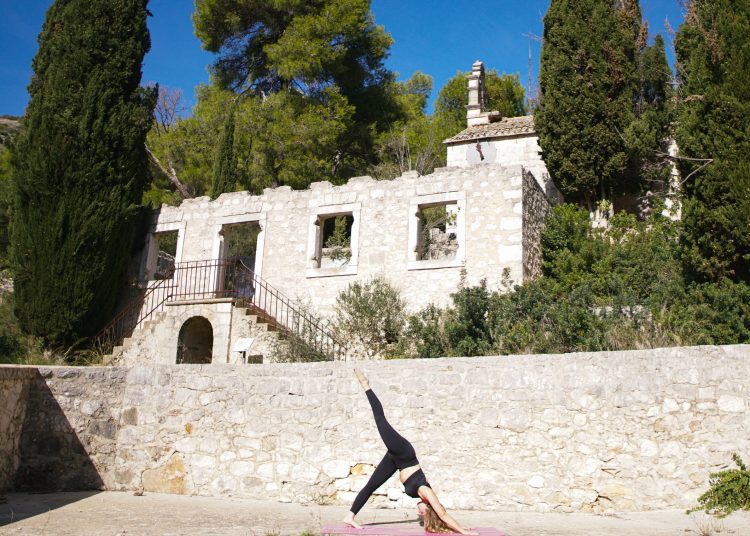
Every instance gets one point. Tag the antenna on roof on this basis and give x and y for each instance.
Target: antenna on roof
(530, 101)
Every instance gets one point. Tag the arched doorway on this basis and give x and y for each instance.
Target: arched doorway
(195, 341)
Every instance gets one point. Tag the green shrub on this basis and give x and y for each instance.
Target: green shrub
(15, 346)
(371, 317)
(466, 328)
(615, 288)
(426, 333)
(729, 491)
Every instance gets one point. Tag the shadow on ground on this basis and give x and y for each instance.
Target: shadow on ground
(20, 506)
(51, 459)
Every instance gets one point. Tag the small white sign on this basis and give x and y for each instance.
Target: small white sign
(243, 345)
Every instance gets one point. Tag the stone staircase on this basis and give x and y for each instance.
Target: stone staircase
(235, 302)
(163, 328)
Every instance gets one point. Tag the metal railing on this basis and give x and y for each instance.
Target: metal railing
(227, 279)
(137, 311)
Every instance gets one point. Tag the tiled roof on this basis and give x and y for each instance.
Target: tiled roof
(508, 126)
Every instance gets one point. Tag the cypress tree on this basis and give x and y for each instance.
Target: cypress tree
(588, 82)
(713, 53)
(80, 166)
(648, 136)
(225, 165)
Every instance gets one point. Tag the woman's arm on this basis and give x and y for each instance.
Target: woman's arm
(429, 496)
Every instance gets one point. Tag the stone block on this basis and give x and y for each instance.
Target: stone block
(731, 404)
(241, 469)
(336, 468)
(171, 477)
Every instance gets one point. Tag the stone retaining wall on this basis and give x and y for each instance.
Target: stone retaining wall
(14, 386)
(613, 431)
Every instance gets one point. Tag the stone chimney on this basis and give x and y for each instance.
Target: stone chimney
(477, 99)
(475, 114)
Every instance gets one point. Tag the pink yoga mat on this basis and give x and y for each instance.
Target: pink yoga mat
(395, 529)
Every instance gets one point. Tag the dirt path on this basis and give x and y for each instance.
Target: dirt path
(122, 514)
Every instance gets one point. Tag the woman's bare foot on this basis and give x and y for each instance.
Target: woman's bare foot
(362, 379)
(349, 519)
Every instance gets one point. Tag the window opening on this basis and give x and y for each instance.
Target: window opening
(438, 233)
(335, 244)
(241, 242)
(165, 260)
(240, 246)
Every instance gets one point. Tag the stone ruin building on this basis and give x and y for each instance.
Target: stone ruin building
(222, 280)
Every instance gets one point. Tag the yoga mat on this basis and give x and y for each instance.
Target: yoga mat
(396, 529)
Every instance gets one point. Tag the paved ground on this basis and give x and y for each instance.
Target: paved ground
(122, 514)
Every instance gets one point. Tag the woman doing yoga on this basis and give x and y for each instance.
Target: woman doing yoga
(401, 456)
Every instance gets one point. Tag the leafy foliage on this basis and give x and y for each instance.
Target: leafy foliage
(412, 142)
(613, 288)
(729, 491)
(338, 244)
(371, 317)
(713, 52)
(648, 135)
(80, 167)
(315, 71)
(15, 345)
(6, 202)
(225, 166)
(588, 84)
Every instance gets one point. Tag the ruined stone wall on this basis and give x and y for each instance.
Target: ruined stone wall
(611, 431)
(383, 236)
(536, 209)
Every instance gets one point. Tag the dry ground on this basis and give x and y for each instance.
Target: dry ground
(122, 514)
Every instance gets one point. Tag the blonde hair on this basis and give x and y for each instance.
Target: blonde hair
(433, 523)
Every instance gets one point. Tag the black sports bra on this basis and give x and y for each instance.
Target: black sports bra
(412, 484)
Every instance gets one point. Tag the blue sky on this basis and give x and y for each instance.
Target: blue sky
(437, 37)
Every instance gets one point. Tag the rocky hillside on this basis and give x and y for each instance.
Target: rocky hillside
(9, 126)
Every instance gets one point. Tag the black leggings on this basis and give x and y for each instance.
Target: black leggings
(399, 456)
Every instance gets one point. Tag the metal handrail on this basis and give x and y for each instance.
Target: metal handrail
(135, 313)
(230, 279)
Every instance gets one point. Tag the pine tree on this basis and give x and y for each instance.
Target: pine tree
(225, 166)
(588, 82)
(713, 52)
(80, 166)
(315, 69)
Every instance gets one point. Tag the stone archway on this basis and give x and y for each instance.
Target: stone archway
(195, 341)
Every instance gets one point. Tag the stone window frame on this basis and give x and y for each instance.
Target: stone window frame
(249, 217)
(314, 236)
(148, 262)
(416, 204)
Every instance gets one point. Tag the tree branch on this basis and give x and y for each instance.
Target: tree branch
(169, 174)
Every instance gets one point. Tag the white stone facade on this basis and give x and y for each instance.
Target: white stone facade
(489, 203)
(496, 214)
(519, 150)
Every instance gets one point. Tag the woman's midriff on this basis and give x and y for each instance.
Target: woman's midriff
(407, 472)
